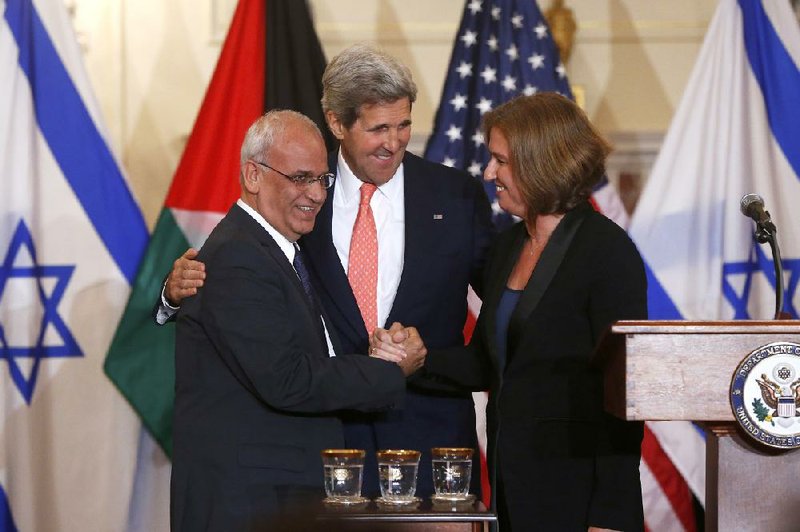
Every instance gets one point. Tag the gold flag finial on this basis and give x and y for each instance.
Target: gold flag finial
(562, 26)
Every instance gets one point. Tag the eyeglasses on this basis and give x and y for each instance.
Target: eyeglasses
(303, 180)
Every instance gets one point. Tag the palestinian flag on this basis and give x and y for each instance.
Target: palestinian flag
(271, 59)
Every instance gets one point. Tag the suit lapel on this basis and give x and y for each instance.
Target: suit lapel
(420, 205)
(324, 260)
(552, 256)
(244, 220)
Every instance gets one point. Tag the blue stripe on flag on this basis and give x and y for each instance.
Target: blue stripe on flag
(6, 519)
(778, 76)
(75, 142)
(659, 305)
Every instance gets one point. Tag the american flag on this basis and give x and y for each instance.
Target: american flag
(503, 48)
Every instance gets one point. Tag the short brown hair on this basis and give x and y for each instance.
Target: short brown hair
(557, 156)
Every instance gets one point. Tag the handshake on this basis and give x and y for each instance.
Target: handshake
(401, 345)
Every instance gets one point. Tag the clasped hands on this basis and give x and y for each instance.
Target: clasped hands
(401, 345)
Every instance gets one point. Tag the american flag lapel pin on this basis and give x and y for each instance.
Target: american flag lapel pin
(438, 216)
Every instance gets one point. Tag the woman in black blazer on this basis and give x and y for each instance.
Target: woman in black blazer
(554, 282)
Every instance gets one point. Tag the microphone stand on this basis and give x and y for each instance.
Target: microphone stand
(766, 232)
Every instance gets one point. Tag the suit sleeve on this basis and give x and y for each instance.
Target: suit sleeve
(262, 329)
(620, 292)
(468, 367)
(483, 231)
(455, 369)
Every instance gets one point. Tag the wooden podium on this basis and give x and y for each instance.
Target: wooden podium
(680, 370)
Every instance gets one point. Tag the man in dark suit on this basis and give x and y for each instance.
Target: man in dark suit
(432, 225)
(257, 382)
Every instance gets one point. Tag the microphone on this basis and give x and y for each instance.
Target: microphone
(752, 206)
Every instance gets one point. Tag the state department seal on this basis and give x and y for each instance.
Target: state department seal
(765, 395)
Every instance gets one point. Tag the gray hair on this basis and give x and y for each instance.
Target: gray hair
(360, 75)
(263, 132)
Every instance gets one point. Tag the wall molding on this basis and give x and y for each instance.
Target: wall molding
(590, 31)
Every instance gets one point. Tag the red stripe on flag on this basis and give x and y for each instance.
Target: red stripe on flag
(469, 327)
(672, 483)
(485, 486)
(206, 176)
(480, 417)
(595, 205)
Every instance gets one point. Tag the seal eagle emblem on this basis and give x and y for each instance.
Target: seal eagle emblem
(765, 395)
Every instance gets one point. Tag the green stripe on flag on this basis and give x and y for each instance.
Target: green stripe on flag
(141, 360)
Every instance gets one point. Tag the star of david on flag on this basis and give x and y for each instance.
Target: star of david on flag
(71, 236)
(20, 264)
(736, 131)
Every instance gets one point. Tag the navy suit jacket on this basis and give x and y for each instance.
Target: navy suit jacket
(448, 230)
(256, 393)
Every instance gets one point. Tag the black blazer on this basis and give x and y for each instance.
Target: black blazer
(564, 463)
(255, 388)
(448, 230)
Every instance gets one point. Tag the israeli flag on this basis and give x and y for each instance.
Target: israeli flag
(71, 236)
(736, 131)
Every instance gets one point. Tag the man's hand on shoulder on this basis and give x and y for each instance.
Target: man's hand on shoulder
(186, 277)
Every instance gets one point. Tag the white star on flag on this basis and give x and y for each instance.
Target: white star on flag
(469, 38)
(449, 162)
(541, 31)
(529, 90)
(492, 42)
(516, 21)
(496, 13)
(459, 102)
(475, 6)
(509, 83)
(496, 209)
(560, 70)
(489, 74)
(536, 61)
(464, 69)
(454, 133)
(477, 138)
(512, 52)
(484, 105)
(474, 169)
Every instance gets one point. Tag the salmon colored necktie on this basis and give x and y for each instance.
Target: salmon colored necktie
(362, 269)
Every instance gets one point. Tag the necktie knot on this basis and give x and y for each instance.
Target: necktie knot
(367, 190)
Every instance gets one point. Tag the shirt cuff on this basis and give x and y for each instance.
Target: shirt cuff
(165, 310)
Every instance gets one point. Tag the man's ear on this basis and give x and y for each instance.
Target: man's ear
(335, 125)
(250, 177)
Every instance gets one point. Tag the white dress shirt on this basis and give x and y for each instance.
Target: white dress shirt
(388, 209)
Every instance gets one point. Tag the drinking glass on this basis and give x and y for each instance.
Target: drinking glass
(452, 470)
(343, 470)
(397, 471)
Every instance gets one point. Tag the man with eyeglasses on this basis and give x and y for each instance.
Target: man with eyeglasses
(257, 381)
(432, 226)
